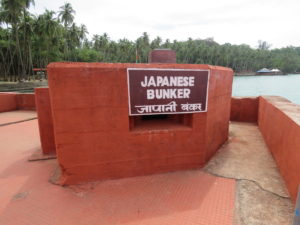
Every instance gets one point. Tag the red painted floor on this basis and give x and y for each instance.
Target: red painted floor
(16, 116)
(27, 197)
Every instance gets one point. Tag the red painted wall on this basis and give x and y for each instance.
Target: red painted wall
(8, 102)
(16, 101)
(244, 109)
(26, 101)
(218, 115)
(92, 126)
(43, 108)
(279, 123)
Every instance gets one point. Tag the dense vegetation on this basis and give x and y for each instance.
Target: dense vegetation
(28, 41)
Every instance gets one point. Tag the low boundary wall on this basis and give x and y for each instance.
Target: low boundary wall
(244, 109)
(16, 101)
(279, 123)
(8, 102)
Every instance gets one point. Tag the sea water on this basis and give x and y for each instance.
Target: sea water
(287, 86)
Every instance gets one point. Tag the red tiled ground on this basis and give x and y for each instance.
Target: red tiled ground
(179, 198)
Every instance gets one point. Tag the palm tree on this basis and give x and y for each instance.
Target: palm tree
(102, 44)
(143, 47)
(48, 36)
(66, 14)
(11, 15)
(12, 11)
(83, 31)
(156, 43)
(26, 26)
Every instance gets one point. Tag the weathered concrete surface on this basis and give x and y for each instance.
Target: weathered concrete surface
(258, 207)
(246, 156)
(16, 116)
(261, 191)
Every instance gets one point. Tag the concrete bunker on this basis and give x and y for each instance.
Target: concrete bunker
(104, 130)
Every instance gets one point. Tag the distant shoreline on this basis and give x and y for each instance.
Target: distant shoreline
(264, 75)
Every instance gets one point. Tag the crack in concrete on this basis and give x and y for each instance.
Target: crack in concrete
(15, 122)
(245, 179)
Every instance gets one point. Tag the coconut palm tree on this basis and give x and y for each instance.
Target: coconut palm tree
(83, 31)
(48, 39)
(11, 13)
(26, 28)
(66, 14)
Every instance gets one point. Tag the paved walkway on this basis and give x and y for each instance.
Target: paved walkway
(28, 198)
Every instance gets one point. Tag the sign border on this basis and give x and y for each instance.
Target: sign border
(172, 69)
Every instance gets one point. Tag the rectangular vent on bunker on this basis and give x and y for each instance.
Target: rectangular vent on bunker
(160, 122)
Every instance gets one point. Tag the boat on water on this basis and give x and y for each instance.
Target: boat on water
(265, 71)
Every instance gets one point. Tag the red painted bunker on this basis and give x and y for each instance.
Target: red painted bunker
(97, 137)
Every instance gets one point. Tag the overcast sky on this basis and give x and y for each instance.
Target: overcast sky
(232, 21)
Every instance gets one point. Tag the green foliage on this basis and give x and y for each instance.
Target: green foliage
(88, 55)
(28, 41)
